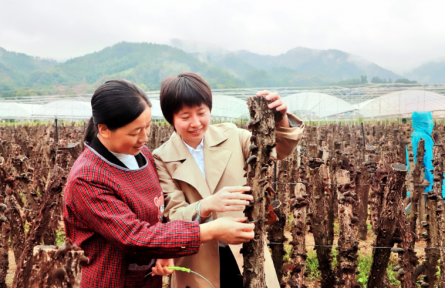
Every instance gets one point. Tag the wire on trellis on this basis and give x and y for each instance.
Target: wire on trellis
(284, 243)
(329, 183)
(334, 246)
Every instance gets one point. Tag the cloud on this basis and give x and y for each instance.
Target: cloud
(396, 34)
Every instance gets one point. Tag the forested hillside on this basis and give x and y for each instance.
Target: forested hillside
(15, 69)
(148, 64)
(433, 71)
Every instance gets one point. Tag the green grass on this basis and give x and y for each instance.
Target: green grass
(289, 221)
(334, 254)
(287, 249)
(364, 266)
(312, 266)
(336, 228)
(60, 237)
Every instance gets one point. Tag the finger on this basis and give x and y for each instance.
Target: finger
(275, 104)
(247, 235)
(236, 203)
(246, 227)
(240, 196)
(281, 108)
(273, 96)
(159, 269)
(240, 220)
(167, 271)
(231, 208)
(262, 93)
(238, 189)
(155, 271)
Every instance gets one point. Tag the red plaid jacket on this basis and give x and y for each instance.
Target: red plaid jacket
(114, 214)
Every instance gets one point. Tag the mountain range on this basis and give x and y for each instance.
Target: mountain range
(147, 64)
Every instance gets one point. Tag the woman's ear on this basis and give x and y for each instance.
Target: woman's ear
(103, 131)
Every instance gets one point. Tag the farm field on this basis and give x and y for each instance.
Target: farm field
(333, 211)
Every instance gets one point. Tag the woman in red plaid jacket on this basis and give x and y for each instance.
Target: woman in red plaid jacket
(113, 202)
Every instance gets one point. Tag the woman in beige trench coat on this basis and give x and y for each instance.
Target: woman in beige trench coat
(202, 161)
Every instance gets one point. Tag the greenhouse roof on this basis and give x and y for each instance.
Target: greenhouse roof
(403, 104)
(9, 110)
(228, 106)
(319, 105)
(66, 109)
(370, 100)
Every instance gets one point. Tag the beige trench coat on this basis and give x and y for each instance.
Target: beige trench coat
(225, 151)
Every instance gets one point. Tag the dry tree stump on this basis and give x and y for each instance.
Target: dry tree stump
(298, 253)
(321, 215)
(347, 243)
(56, 267)
(38, 227)
(386, 225)
(408, 259)
(431, 226)
(275, 232)
(262, 125)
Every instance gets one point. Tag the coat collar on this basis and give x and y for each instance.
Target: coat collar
(177, 150)
(216, 159)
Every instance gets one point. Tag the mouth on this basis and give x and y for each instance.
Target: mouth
(195, 132)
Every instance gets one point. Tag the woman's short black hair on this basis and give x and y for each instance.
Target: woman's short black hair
(115, 104)
(186, 89)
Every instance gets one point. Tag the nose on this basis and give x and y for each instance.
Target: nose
(144, 135)
(194, 121)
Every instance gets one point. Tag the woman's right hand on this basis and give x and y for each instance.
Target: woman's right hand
(226, 199)
(228, 230)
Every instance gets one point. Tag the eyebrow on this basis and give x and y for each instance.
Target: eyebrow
(137, 128)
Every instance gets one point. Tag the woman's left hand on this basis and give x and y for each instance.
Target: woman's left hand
(278, 104)
(161, 267)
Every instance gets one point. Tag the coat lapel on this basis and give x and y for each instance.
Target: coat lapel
(215, 158)
(188, 171)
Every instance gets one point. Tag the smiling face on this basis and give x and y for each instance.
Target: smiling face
(191, 123)
(128, 139)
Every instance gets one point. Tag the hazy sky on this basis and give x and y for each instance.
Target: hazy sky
(396, 34)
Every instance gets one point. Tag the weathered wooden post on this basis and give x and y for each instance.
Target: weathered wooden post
(276, 230)
(38, 227)
(387, 224)
(407, 259)
(417, 180)
(54, 266)
(320, 199)
(347, 243)
(262, 125)
(432, 226)
(297, 267)
(4, 261)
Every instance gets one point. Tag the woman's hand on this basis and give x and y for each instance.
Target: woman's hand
(228, 230)
(278, 104)
(226, 199)
(161, 267)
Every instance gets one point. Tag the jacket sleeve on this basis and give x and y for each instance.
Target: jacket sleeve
(286, 138)
(177, 208)
(99, 208)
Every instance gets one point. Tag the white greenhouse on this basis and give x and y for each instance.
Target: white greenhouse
(317, 105)
(64, 109)
(229, 107)
(402, 104)
(10, 110)
(333, 103)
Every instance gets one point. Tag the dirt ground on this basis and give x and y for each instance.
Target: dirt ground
(365, 247)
